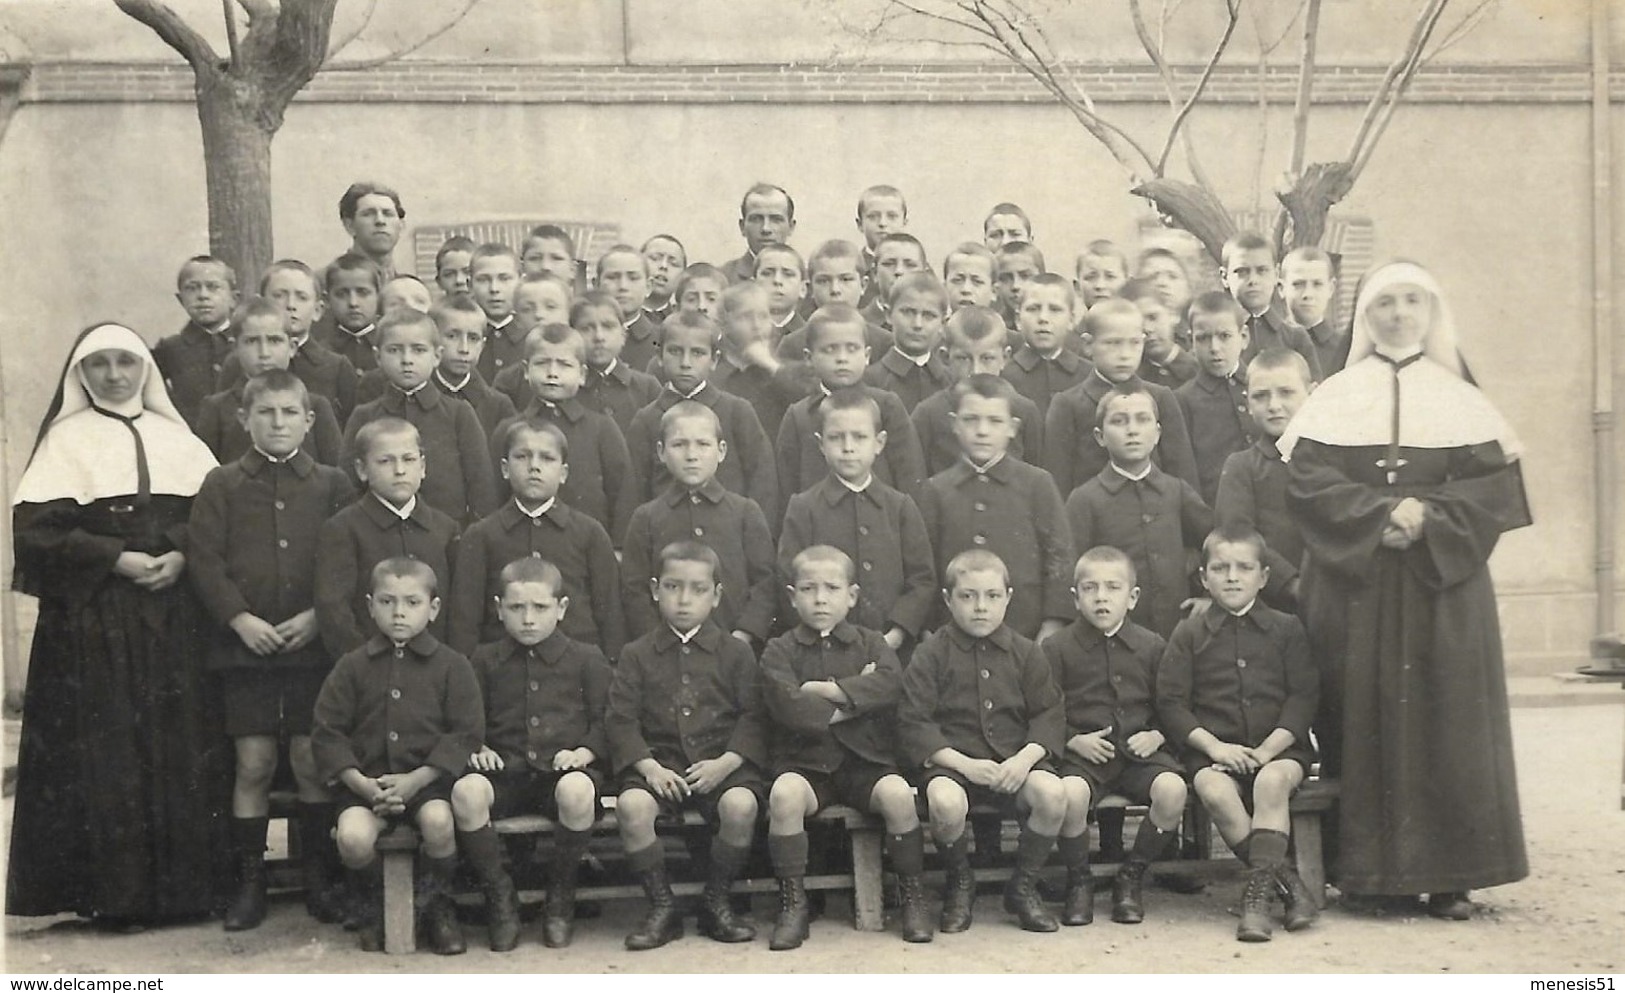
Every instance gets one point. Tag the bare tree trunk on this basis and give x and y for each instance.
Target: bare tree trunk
(1191, 208)
(237, 174)
(1321, 187)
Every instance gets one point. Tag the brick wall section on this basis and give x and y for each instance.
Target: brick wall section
(437, 82)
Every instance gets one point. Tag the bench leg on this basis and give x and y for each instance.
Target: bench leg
(1310, 858)
(399, 912)
(867, 912)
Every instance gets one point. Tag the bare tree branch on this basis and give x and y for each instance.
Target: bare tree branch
(1306, 83)
(174, 32)
(1234, 8)
(450, 23)
(1395, 82)
(1462, 29)
(229, 12)
(366, 18)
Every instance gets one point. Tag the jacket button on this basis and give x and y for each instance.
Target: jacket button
(688, 711)
(987, 704)
(687, 650)
(535, 522)
(868, 567)
(986, 674)
(685, 679)
(282, 543)
(979, 540)
(499, 363)
(394, 736)
(1241, 663)
(394, 694)
(1147, 518)
(280, 505)
(535, 555)
(699, 532)
(693, 498)
(531, 754)
(534, 685)
(979, 505)
(535, 722)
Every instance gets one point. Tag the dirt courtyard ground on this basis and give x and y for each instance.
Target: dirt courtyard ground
(1569, 916)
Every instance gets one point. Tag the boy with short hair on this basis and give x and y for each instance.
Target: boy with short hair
(913, 368)
(747, 366)
(291, 285)
(456, 477)
(831, 689)
(1249, 274)
(395, 722)
(351, 285)
(614, 385)
(541, 298)
(688, 355)
(624, 274)
(976, 344)
(1070, 450)
(1156, 519)
(1215, 402)
(544, 747)
(881, 211)
(1236, 692)
(1308, 286)
(1252, 486)
(666, 258)
(1047, 363)
(838, 353)
(252, 558)
(600, 483)
(549, 250)
(404, 292)
(988, 500)
(452, 264)
(461, 323)
(1163, 361)
(1004, 224)
(781, 272)
(262, 346)
(388, 520)
(1102, 269)
(835, 274)
(706, 753)
(968, 272)
(896, 256)
(494, 281)
(767, 216)
(695, 503)
(191, 359)
(878, 526)
(1015, 263)
(1106, 667)
(538, 523)
(700, 289)
(982, 716)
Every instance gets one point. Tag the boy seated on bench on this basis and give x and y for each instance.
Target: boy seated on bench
(545, 695)
(686, 731)
(396, 719)
(1106, 666)
(1237, 690)
(831, 689)
(982, 716)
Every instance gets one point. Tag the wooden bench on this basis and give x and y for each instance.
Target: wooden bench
(1315, 799)
(399, 844)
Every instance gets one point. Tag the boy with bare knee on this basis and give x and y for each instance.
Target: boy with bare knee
(544, 696)
(832, 690)
(396, 719)
(982, 716)
(1236, 691)
(685, 730)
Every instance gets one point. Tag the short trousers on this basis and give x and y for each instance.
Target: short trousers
(269, 701)
(1123, 775)
(1195, 762)
(747, 776)
(530, 791)
(981, 796)
(851, 785)
(440, 789)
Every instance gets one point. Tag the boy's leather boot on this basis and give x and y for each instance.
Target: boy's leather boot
(483, 850)
(440, 918)
(717, 919)
(247, 908)
(1079, 908)
(1300, 903)
(662, 924)
(323, 880)
(1149, 844)
(1021, 893)
(959, 896)
(1255, 906)
(907, 855)
(789, 854)
(558, 920)
(366, 887)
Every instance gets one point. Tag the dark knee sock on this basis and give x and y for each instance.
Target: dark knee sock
(1268, 848)
(1150, 842)
(789, 854)
(907, 852)
(728, 859)
(1074, 851)
(646, 859)
(483, 850)
(1032, 849)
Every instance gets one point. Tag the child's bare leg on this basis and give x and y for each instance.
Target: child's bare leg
(1168, 796)
(1157, 831)
(635, 812)
(1073, 844)
(437, 827)
(894, 801)
(303, 762)
(947, 806)
(1272, 795)
(256, 764)
(736, 816)
(358, 831)
(736, 812)
(1043, 798)
(789, 804)
(471, 799)
(577, 800)
(1222, 798)
(1075, 823)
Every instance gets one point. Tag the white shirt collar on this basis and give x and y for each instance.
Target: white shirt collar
(981, 470)
(403, 513)
(855, 487)
(609, 369)
(689, 636)
(1135, 477)
(1113, 632)
(546, 506)
(787, 319)
(453, 387)
(920, 360)
(499, 325)
(275, 459)
(1243, 612)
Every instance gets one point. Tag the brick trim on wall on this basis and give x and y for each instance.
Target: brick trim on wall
(465, 82)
